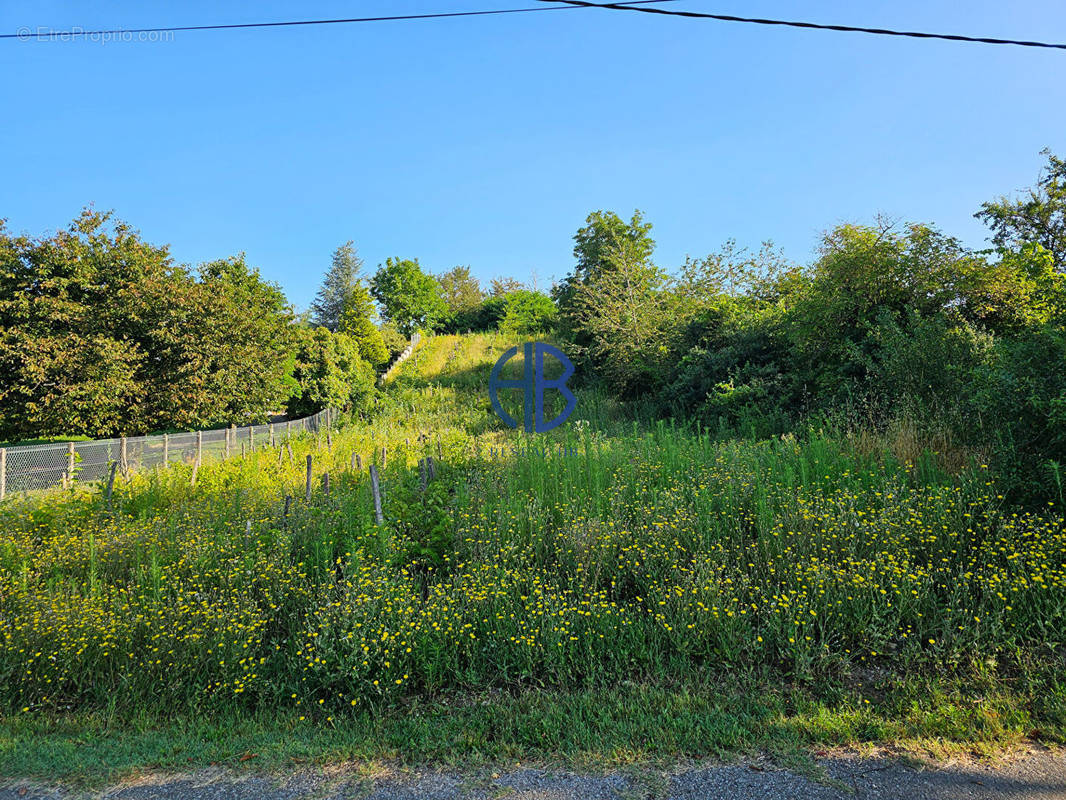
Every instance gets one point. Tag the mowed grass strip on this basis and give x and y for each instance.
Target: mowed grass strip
(634, 724)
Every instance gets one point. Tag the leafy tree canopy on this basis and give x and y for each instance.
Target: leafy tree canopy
(1039, 217)
(501, 287)
(460, 290)
(408, 296)
(102, 334)
(528, 313)
(357, 322)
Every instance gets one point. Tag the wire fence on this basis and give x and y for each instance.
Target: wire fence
(43, 466)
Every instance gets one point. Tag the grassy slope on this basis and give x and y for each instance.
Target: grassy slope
(661, 563)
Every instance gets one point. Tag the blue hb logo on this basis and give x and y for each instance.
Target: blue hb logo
(534, 383)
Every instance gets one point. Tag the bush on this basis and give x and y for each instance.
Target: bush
(527, 313)
(330, 373)
(394, 341)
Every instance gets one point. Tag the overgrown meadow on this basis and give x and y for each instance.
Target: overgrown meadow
(646, 554)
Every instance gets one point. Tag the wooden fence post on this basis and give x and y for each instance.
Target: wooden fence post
(166, 449)
(431, 467)
(325, 483)
(229, 438)
(384, 457)
(329, 440)
(288, 448)
(3, 472)
(199, 447)
(271, 434)
(111, 482)
(70, 461)
(375, 488)
(122, 456)
(358, 463)
(307, 487)
(423, 470)
(251, 438)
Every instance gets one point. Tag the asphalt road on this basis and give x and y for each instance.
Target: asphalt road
(1038, 775)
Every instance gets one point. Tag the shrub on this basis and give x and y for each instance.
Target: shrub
(526, 313)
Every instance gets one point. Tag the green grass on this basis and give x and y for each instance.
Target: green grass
(629, 724)
(658, 593)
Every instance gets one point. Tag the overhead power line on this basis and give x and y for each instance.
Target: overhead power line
(39, 33)
(951, 37)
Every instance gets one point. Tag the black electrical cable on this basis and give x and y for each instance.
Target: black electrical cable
(951, 37)
(30, 33)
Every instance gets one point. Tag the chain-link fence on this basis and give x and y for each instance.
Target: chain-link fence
(42, 466)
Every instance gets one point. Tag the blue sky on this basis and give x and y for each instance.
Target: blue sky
(487, 141)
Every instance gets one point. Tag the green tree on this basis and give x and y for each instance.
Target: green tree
(226, 356)
(101, 334)
(357, 321)
(460, 290)
(408, 296)
(501, 287)
(463, 295)
(1038, 218)
(596, 249)
(622, 314)
(596, 246)
(528, 313)
(76, 315)
(330, 373)
(863, 276)
(327, 309)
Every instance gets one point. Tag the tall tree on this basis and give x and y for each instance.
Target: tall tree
(460, 289)
(76, 312)
(357, 322)
(501, 287)
(625, 317)
(343, 275)
(1037, 218)
(408, 296)
(605, 243)
(102, 334)
(229, 358)
(595, 248)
